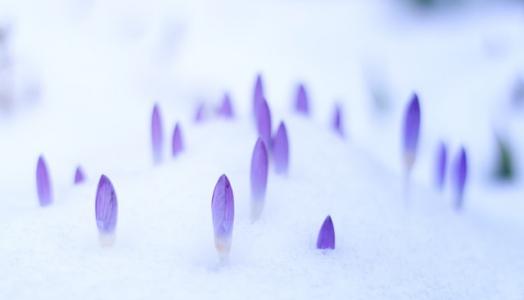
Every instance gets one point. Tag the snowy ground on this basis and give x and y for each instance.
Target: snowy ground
(101, 66)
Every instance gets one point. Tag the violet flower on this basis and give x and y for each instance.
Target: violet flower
(442, 157)
(281, 149)
(460, 177)
(337, 124)
(263, 122)
(258, 93)
(259, 172)
(223, 215)
(302, 100)
(106, 210)
(80, 176)
(43, 183)
(177, 143)
(411, 132)
(326, 235)
(226, 108)
(157, 139)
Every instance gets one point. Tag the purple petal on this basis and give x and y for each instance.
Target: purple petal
(442, 157)
(258, 93)
(281, 149)
(259, 170)
(223, 214)
(326, 235)
(337, 120)
(411, 131)
(157, 139)
(80, 176)
(106, 207)
(460, 177)
(200, 113)
(43, 183)
(264, 122)
(177, 145)
(302, 100)
(226, 108)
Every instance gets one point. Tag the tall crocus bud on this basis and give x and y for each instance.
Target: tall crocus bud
(80, 176)
(157, 139)
(302, 100)
(326, 235)
(460, 177)
(106, 210)
(223, 214)
(177, 144)
(281, 149)
(259, 170)
(263, 121)
(440, 168)
(337, 124)
(43, 183)
(258, 93)
(226, 108)
(411, 132)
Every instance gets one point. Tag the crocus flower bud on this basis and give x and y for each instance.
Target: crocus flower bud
(223, 214)
(326, 235)
(106, 210)
(225, 109)
(302, 100)
(259, 172)
(263, 121)
(157, 139)
(80, 176)
(460, 178)
(337, 124)
(258, 93)
(281, 149)
(43, 183)
(411, 132)
(177, 143)
(440, 168)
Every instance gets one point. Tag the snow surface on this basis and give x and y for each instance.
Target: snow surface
(102, 65)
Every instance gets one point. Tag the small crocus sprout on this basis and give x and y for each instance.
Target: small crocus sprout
(258, 93)
(337, 123)
(80, 176)
(225, 109)
(302, 100)
(200, 113)
(263, 122)
(43, 183)
(223, 214)
(411, 132)
(460, 178)
(504, 167)
(177, 143)
(157, 139)
(281, 149)
(106, 211)
(259, 170)
(326, 235)
(441, 163)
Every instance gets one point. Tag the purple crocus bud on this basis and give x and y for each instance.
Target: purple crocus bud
(80, 176)
(263, 120)
(157, 139)
(461, 175)
(259, 170)
(43, 183)
(177, 145)
(106, 210)
(302, 100)
(281, 149)
(326, 235)
(337, 120)
(411, 132)
(200, 113)
(226, 108)
(258, 93)
(442, 157)
(223, 214)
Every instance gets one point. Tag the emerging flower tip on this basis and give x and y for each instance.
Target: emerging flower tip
(461, 175)
(223, 215)
(43, 183)
(440, 170)
(200, 113)
(157, 141)
(258, 93)
(177, 143)
(281, 149)
(80, 176)
(259, 173)
(263, 120)
(337, 124)
(411, 131)
(326, 235)
(106, 208)
(226, 108)
(302, 100)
